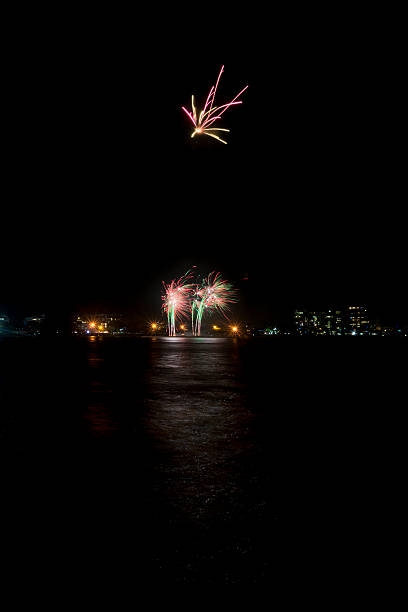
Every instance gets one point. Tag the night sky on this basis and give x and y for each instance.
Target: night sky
(106, 194)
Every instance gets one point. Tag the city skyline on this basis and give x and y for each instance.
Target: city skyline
(332, 321)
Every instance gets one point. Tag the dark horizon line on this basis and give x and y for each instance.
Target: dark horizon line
(281, 316)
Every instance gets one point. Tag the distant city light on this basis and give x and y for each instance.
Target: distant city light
(334, 321)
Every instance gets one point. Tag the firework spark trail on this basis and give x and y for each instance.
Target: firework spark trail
(203, 126)
(214, 296)
(197, 309)
(176, 301)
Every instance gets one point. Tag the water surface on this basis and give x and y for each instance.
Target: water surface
(208, 459)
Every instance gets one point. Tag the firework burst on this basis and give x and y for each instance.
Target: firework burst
(210, 114)
(213, 296)
(177, 301)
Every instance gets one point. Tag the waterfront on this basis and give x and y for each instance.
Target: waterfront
(203, 457)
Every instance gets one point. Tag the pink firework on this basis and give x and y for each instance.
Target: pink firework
(176, 301)
(214, 296)
(210, 114)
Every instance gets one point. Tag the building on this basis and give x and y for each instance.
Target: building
(319, 323)
(4, 322)
(357, 322)
(271, 331)
(98, 324)
(388, 330)
(352, 320)
(34, 323)
(301, 320)
(333, 323)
